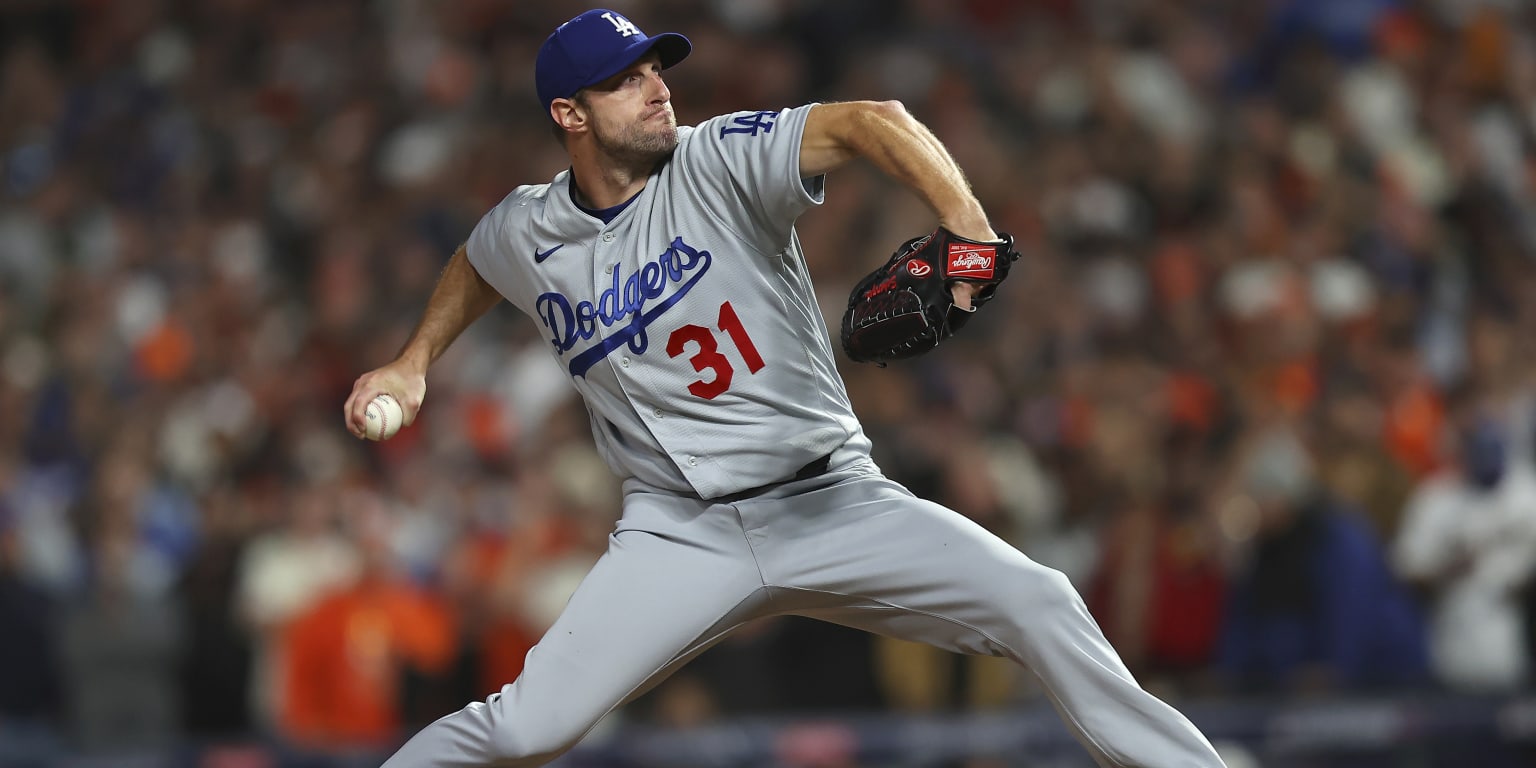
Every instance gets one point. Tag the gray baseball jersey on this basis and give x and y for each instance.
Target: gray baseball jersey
(688, 324)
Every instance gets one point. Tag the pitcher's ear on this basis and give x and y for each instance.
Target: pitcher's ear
(568, 114)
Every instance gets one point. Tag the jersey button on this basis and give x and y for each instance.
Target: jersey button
(693, 461)
(624, 361)
(656, 413)
(607, 237)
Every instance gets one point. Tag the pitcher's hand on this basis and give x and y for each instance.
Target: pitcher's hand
(399, 380)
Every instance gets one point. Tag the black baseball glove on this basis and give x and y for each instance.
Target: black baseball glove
(905, 308)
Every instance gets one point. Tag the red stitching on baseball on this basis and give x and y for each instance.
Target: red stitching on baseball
(383, 417)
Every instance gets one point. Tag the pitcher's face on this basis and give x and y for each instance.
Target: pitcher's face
(630, 114)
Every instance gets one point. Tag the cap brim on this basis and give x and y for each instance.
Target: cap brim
(671, 46)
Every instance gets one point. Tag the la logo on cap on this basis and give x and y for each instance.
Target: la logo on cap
(621, 25)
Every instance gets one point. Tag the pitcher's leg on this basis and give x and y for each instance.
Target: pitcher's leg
(663, 592)
(900, 566)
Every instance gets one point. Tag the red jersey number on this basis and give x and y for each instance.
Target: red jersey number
(708, 356)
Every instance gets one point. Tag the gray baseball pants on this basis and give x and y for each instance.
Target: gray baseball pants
(848, 546)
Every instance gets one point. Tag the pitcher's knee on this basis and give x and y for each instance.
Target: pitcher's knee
(532, 739)
(1048, 587)
(1045, 590)
(515, 747)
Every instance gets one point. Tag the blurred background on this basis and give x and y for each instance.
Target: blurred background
(1262, 385)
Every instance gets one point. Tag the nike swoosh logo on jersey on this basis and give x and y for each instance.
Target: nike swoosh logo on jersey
(539, 256)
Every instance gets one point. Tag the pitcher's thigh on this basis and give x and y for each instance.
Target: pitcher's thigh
(870, 554)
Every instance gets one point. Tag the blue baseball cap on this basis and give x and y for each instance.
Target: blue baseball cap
(594, 47)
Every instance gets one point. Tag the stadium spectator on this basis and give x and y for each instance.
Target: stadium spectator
(347, 654)
(1468, 542)
(120, 644)
(1314, 608)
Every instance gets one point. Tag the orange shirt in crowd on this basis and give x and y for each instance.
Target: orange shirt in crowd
(345, 657)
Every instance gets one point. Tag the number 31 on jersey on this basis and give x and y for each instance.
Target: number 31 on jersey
(707, 353)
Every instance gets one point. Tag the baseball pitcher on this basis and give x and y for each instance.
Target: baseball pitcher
(665, 275)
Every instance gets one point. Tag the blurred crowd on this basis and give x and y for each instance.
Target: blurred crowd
(1262, 385)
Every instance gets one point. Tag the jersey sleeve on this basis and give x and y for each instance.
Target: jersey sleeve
(488, 241)
(492, 244)
(746, 166)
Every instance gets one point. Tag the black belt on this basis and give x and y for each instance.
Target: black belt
(817, 466)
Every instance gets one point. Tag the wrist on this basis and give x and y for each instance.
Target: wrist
(415, 359)
(971, 227)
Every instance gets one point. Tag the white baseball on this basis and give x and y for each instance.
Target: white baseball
(383, 418)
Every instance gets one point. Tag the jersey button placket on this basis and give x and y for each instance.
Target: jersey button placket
(600, 255)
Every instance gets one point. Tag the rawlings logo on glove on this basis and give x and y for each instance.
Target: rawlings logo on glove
(968, 261)
(905, 308)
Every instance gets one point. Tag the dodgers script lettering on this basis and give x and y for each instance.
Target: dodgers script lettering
(630, 302)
